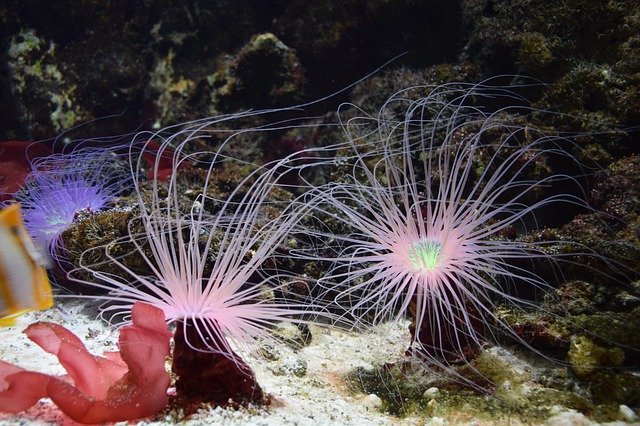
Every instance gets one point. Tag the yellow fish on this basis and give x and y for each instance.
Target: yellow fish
(24, 285)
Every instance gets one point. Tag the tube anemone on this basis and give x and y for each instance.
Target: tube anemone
(205, 261)
(432, 194)
(61, 186)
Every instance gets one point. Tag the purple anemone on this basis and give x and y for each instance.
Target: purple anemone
(61, 186)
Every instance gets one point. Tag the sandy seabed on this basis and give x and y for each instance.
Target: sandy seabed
(306, 386)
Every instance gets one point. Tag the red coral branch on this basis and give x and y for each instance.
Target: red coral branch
(124, 386)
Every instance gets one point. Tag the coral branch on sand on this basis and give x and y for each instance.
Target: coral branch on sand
(124, 385)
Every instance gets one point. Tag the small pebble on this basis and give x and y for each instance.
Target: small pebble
(291, 365)
(430, 393)
(628, 414)
(372, 401)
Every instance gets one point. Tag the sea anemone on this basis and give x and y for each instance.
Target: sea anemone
(423, 225)
(62, 186)
(205, 260)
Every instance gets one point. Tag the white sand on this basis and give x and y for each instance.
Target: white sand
(317, 396)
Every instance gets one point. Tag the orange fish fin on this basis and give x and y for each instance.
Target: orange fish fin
(11, 216)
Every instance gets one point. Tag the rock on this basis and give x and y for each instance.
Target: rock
(291, 365)
(627, 414)
(431, 393)
(372, 401)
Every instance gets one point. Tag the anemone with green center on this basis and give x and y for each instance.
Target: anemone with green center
(425, 255)
(415, 228)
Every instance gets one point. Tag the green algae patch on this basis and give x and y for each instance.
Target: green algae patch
(586, 357)
(41, 84)
(535, 50)
(534, 406)
(400, 389)
(499, 392)
(610, 388)
(600, 370)
(612, 327)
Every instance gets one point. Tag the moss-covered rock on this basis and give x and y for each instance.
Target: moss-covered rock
(46, 94)
(612, 328)
(586, 357)
(583, 51)
(599, 368)
(508, 393)
(264, 73)
(96, 60)
(607, 237)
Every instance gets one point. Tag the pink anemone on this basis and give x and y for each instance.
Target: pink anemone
(432, 194)
(205, 267)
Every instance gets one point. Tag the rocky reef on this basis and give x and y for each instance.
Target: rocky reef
(118, 67)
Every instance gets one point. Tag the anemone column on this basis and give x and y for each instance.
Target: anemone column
(451, 336)
(206, 376)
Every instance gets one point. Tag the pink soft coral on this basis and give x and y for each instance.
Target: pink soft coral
(119, 386)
